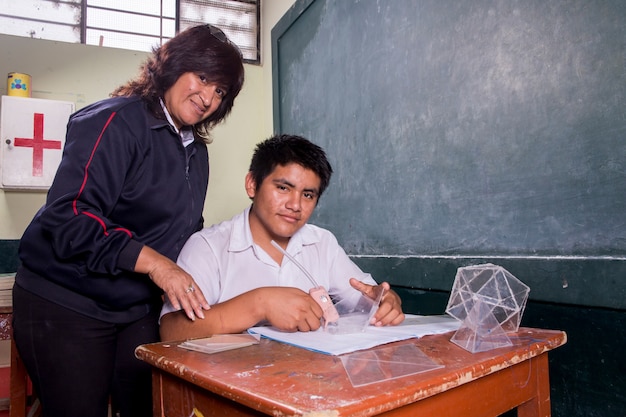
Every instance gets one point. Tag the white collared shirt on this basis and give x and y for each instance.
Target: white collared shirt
(186, 133)
(225, 262)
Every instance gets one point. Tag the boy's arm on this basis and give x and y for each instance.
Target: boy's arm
(286, 308)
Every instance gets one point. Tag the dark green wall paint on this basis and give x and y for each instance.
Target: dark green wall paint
(8, 256)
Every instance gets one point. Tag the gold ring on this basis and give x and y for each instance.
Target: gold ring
(190, 289)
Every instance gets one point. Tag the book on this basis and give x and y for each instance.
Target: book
(6, 289)
(220, 342)
(338, 343)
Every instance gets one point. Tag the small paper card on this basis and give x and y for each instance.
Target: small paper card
(221, 342)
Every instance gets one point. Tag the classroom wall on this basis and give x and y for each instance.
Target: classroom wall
(84, 74)
(588, 374)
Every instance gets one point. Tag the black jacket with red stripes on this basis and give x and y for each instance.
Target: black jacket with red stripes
(125, 180)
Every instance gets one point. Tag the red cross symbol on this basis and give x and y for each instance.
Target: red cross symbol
(38, 143)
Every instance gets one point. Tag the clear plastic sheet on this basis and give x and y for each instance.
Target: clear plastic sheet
(386, 363)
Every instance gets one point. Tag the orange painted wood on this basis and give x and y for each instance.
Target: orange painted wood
(540, 404)
(277, 379)
(6, 327)
(19, 384)
(20, 388)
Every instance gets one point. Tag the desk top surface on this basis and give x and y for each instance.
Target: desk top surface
(276, 376)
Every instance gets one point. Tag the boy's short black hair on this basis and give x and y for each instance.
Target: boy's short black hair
(286, 149)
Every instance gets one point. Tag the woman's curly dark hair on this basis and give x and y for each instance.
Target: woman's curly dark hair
(202, 50)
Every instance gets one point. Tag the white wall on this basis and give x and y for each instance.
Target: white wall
(84, 74)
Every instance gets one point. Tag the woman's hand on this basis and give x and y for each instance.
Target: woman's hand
(178, 285)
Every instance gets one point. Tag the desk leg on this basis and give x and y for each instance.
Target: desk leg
(539, 406)
(157, 394)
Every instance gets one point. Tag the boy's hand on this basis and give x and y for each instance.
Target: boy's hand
(389, 311)
(291, 309)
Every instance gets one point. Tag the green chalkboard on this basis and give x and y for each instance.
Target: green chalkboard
(466, 129)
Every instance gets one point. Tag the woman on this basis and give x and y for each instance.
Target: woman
(97, 258)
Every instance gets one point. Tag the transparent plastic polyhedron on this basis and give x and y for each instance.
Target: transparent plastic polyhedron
(489, 301)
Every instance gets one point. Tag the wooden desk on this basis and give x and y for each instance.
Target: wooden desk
(278, 379)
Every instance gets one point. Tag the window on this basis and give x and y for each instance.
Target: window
(137, 25)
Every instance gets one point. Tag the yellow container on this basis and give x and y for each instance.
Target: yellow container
(19, 85)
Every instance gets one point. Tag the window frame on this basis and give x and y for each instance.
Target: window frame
(79, 25)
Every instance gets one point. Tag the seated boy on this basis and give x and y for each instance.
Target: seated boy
(246, 280)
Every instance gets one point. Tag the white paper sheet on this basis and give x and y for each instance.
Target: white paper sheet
(336, 344)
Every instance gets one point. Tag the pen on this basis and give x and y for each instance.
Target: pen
(296, 263)
(318, 292)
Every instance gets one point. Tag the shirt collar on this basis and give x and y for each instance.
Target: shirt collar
(241, 236)
(186, 133)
